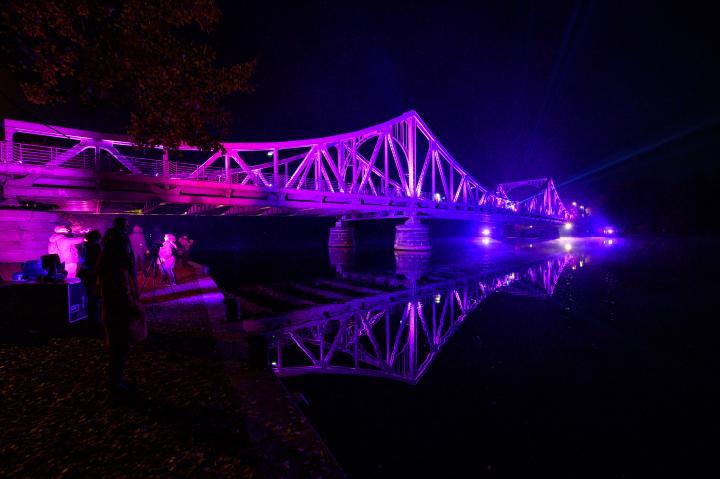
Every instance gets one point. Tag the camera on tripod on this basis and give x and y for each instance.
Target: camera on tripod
(155, 249)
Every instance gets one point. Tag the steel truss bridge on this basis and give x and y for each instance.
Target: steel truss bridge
(397, 336)
(397, 168)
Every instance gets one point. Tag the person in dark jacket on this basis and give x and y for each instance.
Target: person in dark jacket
(122, 312)
(88, 275)
(184, 244)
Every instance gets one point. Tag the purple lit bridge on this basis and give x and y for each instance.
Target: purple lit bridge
(397, 169)
(397, 336)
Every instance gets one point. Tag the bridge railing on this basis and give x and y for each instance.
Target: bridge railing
(90, 158)
(40, 155)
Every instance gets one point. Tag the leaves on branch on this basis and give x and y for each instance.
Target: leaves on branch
(143, 57)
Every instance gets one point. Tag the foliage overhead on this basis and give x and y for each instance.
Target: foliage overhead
(143, 57)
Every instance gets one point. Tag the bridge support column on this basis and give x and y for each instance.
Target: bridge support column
(341, 236)
(412, 236)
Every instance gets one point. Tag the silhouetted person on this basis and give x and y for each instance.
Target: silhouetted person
(184, 244)
(139, 246)
(88, 274)
(122, 312)
(166, 258)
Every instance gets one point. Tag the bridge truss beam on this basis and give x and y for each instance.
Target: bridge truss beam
(395, 168)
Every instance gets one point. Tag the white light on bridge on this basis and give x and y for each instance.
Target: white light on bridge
(437, 197)
(486, 231)
(574, 203)
(270, 153)
(568, 226)
(438, 298)
(567, 246)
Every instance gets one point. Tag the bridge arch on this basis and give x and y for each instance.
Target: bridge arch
(395, 168)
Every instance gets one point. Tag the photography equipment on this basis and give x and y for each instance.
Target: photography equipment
(51, 263)
(152, 268)
(32, 269)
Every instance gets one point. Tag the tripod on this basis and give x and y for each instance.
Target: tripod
(151, 271)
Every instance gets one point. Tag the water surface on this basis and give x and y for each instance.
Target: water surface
(577, 357)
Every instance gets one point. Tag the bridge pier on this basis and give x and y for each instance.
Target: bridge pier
(412, 236)
(342, 259)
(412, 264)
(341, 236)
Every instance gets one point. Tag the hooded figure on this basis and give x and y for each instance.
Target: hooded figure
(64, 246)
(88, 274)
(166, 257)
(122, 312)
(139, 246)
(184, 244)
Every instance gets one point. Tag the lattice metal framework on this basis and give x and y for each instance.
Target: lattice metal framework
(399, 340)
(397, 166)
(545, 202)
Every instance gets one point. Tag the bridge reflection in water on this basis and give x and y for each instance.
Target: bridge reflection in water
(399, 335)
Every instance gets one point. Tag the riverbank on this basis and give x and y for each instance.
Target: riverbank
(200, 411)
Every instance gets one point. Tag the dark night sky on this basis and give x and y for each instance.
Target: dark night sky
(512, 89)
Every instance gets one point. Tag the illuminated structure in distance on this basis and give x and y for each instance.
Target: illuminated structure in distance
(397, 169)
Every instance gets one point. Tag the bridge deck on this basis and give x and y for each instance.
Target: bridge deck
(397, 168)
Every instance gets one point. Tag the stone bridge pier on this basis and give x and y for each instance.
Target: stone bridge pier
(412, 236)
(341, 235)
(409, 236)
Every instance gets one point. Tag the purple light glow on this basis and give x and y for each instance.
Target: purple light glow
(290, 345)
(459, 190)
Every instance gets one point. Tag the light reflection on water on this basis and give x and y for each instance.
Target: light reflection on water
(551, 360)
(397, 335)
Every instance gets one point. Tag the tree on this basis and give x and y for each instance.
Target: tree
(143, 57)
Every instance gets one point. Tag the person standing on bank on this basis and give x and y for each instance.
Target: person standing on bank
(139, 247)
(184, 244)
(166, 258)
(122, 312)
(88, 275)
